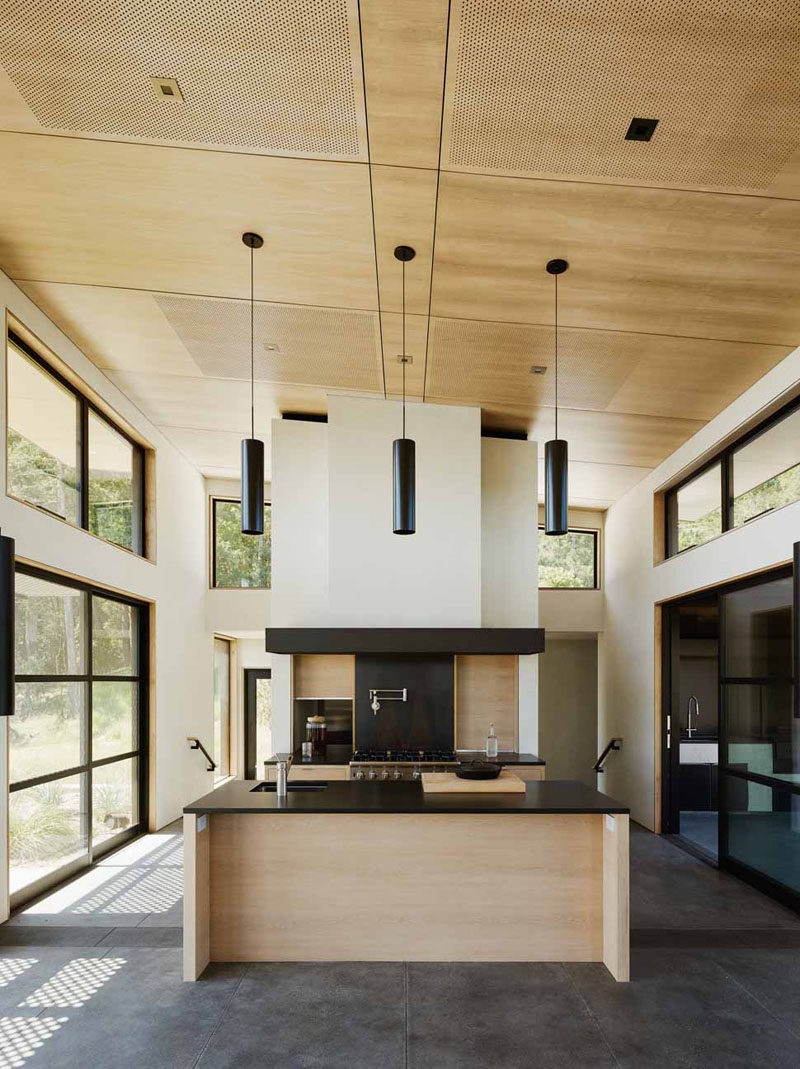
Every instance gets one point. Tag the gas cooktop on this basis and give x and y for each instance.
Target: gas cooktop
(405, 757)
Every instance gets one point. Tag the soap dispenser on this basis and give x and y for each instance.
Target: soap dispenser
(491, 742)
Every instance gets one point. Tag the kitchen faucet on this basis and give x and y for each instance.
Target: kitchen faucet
(689, 728)
(282, 764)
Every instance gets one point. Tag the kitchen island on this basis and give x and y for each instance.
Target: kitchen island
(385, 872)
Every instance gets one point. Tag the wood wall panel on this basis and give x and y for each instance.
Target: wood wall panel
(487, 692)
(324, 675)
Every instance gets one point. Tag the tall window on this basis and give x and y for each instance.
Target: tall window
(568, 562)
(66, 458)
(77, 741)
(758, 473)
(222, 707)
(239, 561)
(257, 720)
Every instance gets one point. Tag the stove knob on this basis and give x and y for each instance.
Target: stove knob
(384, 773)
(359, 773)
(397, 774)
(372, 773)
(417, 773)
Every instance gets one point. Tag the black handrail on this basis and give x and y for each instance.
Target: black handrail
(197, 745)
(614, 744)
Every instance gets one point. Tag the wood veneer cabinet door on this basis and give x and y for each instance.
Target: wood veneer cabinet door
(324, 675)
(487, 693)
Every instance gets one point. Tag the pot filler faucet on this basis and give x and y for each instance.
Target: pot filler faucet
(693, 703)
(387, 696)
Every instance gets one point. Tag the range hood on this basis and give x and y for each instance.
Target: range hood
(384, 640)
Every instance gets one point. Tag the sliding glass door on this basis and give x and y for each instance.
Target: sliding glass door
(78, 739)
(760, 738)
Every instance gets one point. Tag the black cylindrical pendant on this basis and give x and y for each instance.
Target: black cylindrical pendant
(252, 486)
(555, 487)
(6, 626)
(404, 486)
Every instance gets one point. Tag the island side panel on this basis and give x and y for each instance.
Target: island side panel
(196, 895)
(616, 896)
(407, 887)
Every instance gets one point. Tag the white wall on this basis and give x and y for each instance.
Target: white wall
(509, 562)
(568, 707)
(634, 585)
(377, 578)
(336, 561)
(575, 611)
(232, 612)
(176, 583)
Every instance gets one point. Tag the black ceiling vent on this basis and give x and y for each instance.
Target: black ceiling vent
(307, 417)
(641, 129)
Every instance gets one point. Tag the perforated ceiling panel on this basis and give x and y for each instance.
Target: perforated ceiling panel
(489, 363)
(281, 75)
(328, 347)
(550, 86)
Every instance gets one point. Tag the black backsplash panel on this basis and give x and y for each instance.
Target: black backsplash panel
(425, 721)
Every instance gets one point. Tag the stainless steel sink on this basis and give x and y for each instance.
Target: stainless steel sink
(307, 785)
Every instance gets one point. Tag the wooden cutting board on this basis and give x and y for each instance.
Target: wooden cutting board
(449, 783)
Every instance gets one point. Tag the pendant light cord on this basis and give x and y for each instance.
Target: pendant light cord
(555, 277)
(252, 366)
(404, 348)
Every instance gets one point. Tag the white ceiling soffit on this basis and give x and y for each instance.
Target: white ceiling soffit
(285, 78)
(329, 347)
(550, 87)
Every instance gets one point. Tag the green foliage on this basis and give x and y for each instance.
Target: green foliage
(39, 826)
(695, 532)
(111, 507)
(771, 494)
(567, 561)
(37, 476)
(241, 560)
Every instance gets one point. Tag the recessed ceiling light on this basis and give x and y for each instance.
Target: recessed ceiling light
(271, 347)
(405, 359)
(641, 129)
(537, 369)
(167, 88)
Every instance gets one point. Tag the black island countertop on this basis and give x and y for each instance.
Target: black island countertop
(406, 796)
(336, 754)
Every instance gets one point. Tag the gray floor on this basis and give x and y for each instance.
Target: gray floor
(716, 982)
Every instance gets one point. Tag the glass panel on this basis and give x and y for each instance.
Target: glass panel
(758, 631)
(762, 734)
(766, 471)
(114, 719)
(46, 829)
(697, 510)
(114, 634)
(115, 801)
(264, 749)
(42, 439)
(763, 826)
(46, 732)
(222, 706)
(568, 561)
(49, 637)
(112, 514)
(240, 560)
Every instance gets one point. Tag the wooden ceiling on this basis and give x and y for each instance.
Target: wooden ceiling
(489, 137)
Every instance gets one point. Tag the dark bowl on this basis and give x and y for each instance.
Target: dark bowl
(478, 770)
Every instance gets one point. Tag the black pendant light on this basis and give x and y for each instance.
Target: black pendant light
(404, 449)
(555, 451)
(6, 625)
(252, 447)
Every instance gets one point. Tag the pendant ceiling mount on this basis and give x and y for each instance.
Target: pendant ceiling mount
(252, 447)
(556, 459)
(404, 449)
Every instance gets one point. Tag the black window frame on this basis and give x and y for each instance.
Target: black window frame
(213, 499)
(595, 532)
(140, 547)
(725, 459)
(141, 753)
